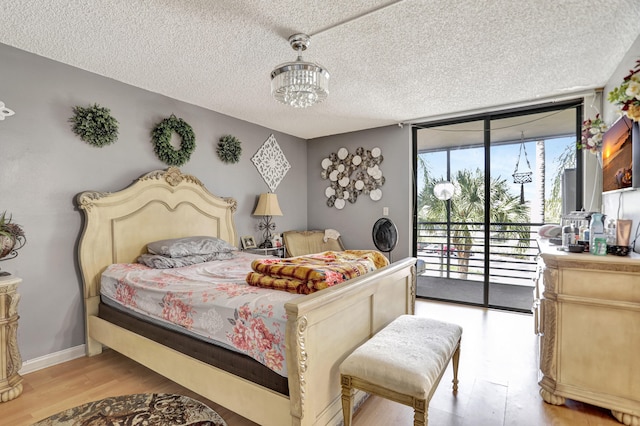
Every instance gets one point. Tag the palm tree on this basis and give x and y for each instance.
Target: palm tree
(425, 197)
(467, 211)
(537, 212)
(553, 205)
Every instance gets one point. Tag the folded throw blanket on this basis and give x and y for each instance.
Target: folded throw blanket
(309, 273)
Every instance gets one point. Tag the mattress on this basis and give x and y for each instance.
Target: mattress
(210, 301)
(231, 361)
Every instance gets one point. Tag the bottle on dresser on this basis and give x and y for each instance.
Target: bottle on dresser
(598, 241)
(612, 235)
(568, 235)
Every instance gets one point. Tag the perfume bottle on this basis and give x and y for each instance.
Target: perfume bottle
(568, 235)
(612, 236)
(584, 233)
(596, 231)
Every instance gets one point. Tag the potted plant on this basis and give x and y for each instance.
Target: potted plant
(12, 236)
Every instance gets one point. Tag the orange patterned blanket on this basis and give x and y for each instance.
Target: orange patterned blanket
(309, 273)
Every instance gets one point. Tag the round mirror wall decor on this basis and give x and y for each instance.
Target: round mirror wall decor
(352, 174)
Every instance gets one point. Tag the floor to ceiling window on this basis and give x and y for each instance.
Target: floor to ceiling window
(483, 187)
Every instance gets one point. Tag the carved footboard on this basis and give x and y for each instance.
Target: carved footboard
(325, 327)
(322, 330)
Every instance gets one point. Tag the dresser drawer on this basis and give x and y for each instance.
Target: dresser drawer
(605, 285)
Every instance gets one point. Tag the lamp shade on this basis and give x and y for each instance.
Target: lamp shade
(444, 190)
(299, 84)
(268, 205)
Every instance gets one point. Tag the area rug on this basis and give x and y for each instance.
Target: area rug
(143, 409)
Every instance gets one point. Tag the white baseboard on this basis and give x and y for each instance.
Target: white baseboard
(52, 359)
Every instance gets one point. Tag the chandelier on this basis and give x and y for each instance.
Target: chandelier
(299, 84)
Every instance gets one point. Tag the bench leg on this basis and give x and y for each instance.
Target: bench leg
(456, 360)
(420, 412)
(347, 399)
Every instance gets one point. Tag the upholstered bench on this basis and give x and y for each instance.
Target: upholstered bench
(404, 362)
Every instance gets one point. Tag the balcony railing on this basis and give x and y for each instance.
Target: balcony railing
(457, 250)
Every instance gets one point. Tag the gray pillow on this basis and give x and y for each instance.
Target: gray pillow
(188, 246)
(157, 261)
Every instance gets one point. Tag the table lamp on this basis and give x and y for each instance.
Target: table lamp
(267, 207)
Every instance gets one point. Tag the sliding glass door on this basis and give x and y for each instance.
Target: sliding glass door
(484, 185)
(450, 222)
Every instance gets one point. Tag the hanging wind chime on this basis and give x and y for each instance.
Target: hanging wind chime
(522, 177)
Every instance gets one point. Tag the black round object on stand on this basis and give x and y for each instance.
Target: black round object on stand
(385, 235)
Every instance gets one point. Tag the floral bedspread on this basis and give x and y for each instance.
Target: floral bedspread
(210, 299)
(313, 272)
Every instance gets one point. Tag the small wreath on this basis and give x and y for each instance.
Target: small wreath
(229, 149)
(94, 125)
(162, 141)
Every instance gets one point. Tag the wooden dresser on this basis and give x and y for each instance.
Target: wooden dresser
(587, 314)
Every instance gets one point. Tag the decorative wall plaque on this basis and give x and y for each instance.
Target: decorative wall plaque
(4, 111)
(271, 163)
(351, 175)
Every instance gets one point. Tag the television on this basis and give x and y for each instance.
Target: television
(621, 156)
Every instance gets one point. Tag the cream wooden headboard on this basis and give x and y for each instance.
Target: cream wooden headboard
(159, 205)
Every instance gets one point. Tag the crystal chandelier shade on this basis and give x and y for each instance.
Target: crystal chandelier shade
(299, 84)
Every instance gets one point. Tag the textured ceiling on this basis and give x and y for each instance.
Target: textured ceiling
(406, 60)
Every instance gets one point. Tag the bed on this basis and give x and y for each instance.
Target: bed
(321, 328)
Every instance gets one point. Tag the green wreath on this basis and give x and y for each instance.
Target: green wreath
(162, 141)
(229, 149)
(94, 125)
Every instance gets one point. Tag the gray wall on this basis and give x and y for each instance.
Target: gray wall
(43, 165)
(355, 221)
(623, 204)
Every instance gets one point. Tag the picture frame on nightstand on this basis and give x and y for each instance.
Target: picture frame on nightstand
(276, 241)
(248, 242)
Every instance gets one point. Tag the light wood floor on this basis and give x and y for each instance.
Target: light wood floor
(498, 382)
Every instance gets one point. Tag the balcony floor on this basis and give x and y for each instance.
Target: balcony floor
(517, 297)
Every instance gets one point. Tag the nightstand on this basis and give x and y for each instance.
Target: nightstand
(10, 360)
(272, 251)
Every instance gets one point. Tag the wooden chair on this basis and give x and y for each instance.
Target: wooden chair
(299, 243)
